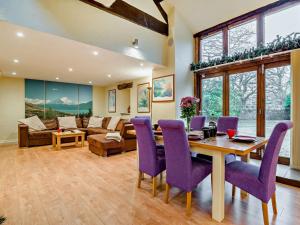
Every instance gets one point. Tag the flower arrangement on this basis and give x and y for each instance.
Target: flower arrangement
(188, 107)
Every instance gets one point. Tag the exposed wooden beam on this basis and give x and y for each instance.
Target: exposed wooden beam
(161, 10)
(132, 14)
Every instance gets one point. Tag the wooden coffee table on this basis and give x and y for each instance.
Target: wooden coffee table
(57, 136)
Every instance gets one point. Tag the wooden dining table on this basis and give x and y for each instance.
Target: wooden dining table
(218, 147)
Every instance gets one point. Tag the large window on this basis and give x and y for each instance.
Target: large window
(282, 23)
(242, 37)
(278, 102)
(212, 47)
(212, 97)
(242, 101)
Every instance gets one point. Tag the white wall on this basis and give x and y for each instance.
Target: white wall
(12, 95)
(81, 22)
(98, 101)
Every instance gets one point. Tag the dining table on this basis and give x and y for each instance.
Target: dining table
(218, 147)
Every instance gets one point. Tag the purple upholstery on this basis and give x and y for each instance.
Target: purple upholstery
(227, 122)
(151, 158)
(260, 182)
(198, 122)
(182, 171)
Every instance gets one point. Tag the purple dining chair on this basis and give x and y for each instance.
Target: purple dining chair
(183, 171)
(260, 181)
(151, 157)
(197, 122)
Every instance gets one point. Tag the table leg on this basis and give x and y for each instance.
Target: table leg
(82, 140)
(218, 173)
(76, 140)
(245, 158)
(58, 144)
(53, 141)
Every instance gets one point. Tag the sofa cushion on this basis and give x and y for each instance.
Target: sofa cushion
(51, 124)
(85, 122)
(121, 124)
(105, 122)
(97, 131)
(44, 134)
(113, 123)
(79, 122)
(67, 122)
(95, 122)
(34, 123)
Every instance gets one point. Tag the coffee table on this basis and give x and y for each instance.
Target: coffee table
(57, 136)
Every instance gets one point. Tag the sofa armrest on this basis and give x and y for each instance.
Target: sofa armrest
(127, 127)
(23, 135)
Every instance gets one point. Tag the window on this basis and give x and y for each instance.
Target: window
(278, 102)
(242, 37)
(242, 101)
(212, 47)
(212, 97)
(282, 23)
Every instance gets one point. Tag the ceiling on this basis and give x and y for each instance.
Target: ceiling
(202, 14)
(47, 57)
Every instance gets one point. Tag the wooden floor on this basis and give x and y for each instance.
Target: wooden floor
(74, 186)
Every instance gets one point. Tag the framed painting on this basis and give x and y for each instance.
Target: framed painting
(112, 101)
(163, 89)
(143, 98)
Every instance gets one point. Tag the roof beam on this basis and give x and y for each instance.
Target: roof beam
(124, 10)
(161, 10)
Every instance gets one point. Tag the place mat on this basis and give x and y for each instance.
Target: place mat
(244, 139)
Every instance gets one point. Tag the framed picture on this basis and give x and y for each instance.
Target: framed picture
(143, 98)
(112, 101)
(163, 89)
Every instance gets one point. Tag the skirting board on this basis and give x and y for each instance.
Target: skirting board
(2, 142)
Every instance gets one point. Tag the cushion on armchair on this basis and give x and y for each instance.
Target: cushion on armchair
(34, 123)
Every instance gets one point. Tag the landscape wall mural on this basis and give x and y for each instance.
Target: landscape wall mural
(48, 99)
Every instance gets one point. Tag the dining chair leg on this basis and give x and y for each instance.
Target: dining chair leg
(188, 203)
(154, 184)
(265, 213)
(143, 176)
(161, 176)
(167, 193)
(233, 190)
(274, 203)
(140, 179)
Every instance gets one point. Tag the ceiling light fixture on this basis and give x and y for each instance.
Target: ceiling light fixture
(56, 78)
(109, 75)
(70, 69)
(90, 82)
(16, 61)
(135, 43)
(14, 73)
(95, 53)
(141, 64)
(20, 34)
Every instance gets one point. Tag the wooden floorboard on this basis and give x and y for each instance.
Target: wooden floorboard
(75, 187)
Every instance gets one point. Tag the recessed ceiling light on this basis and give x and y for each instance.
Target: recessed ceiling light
(141, 64)
(14, 73)
(109, 75)
(70, 69)
(16, 61)
(90, 82)
(56, 78)
(95, 53)
(20, 34)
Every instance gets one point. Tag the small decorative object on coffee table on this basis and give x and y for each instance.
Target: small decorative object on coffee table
(188, 107)
(57, 136)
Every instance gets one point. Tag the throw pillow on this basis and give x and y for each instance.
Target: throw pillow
(67, 122)
(95, 121)
(34, 123)
(113, 123)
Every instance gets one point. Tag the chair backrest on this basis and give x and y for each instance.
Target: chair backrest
(267, 173)
(146, 144)
(197, 122)
(178, 158)
(227, 122)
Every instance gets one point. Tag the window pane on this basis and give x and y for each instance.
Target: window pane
(278, 102)
(242, 37)
(212, 47)
(282, 23)
(242, 101)
(212, 97)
